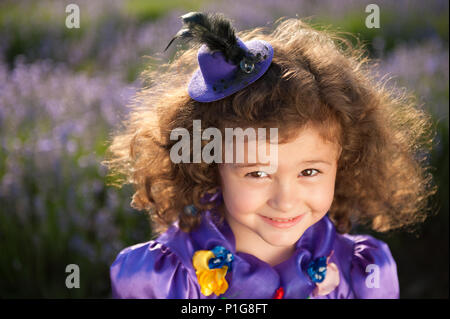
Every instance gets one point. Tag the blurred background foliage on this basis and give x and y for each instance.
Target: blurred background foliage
(62, 92)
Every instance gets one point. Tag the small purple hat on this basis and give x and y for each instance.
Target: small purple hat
(226, 64)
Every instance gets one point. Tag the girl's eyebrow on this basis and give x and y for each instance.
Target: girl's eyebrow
(241, 165)
(313, 161)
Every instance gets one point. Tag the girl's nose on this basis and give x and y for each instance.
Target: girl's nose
(284, 198)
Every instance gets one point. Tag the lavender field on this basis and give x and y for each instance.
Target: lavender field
(63, 91)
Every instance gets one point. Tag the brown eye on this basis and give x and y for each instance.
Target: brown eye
(257, 174)
(309, 172)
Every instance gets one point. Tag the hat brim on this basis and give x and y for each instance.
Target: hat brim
(201, 91)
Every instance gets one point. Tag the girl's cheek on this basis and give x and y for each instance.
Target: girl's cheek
(241, 198)
(321, 198)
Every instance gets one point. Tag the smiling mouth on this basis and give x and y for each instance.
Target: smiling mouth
(282, 222)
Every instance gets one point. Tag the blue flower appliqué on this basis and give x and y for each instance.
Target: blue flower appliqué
(317, 269)
(223, 257)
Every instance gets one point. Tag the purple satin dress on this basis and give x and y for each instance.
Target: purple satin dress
(162, 268)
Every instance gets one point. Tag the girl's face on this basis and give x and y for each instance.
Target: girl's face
(259, 205)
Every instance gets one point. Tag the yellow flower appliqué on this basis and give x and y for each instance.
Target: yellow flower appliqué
(211, 280)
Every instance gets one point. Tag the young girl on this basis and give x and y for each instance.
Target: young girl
(347, 150)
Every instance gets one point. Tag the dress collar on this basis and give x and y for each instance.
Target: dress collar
(248, 270)
(251, 277)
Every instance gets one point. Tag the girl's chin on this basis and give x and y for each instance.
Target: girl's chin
(281, 241)
(282, 237)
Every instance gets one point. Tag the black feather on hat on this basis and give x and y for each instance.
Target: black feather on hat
(215, 31)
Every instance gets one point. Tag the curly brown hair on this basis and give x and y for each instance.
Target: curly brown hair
(316, 77)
